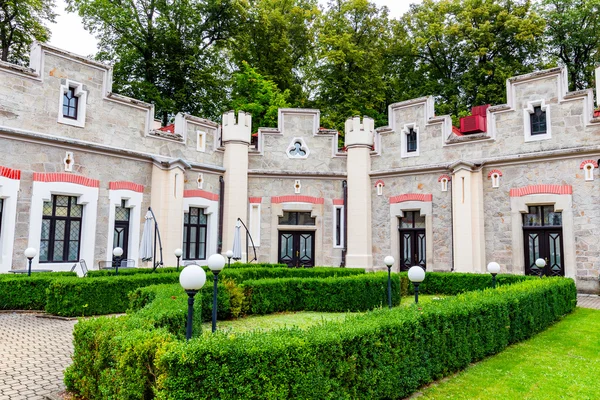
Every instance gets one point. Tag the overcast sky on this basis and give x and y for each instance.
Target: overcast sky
(68, 32)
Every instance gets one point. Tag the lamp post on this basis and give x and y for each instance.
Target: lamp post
(30, 252)
(493, 268)
(229, 254)
(117, 253)
(216, 262)
(416, 275)
(191, 279)
(389, 261)
(541, 263)
(178, 254)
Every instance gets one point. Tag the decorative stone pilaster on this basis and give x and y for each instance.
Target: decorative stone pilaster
(467, 217)
(359, 142)
(236, 139)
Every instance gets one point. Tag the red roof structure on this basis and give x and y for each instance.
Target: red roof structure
(169, 128)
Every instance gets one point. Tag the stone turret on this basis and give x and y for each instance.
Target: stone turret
(236, 139)
(359, 142)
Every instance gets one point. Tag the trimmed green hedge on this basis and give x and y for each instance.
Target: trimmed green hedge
(381, 354)
(336, 294)
(163, 270)
(453, 283)
(22, 292)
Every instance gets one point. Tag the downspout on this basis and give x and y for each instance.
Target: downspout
(221, 204)
(345, 196)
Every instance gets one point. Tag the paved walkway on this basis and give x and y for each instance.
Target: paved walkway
(35, 351)
(33, 354)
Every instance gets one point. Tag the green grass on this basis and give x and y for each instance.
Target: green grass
(302, 319)
(561, 363)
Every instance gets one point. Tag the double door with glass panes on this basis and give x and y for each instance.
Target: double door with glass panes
(542, 232)
(297, 248)
(412, 240)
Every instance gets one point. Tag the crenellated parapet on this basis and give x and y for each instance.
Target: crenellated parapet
(237, 129)
(359, 133)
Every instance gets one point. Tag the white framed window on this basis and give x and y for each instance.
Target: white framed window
(201, 141)
(9, 188)
(255, 223)
(210, 214)
(132, 201)
(72, 104)
(338, 226)
(297, 149)
(536, 121)
(409, 141)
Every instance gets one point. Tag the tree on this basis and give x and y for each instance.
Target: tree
(253, 93)
(165, 51)
(22, 22)
(353, 41)
(573, 37)
(277, 41)
(462, 51)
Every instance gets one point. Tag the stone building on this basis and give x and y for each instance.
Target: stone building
(81, 165)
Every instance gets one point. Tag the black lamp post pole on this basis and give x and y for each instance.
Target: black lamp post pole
(494, 281)
(178, 262)
(228, 262)
(214, 310)
(390, 286)
(190, 316)
(29, 270)
(416, 285)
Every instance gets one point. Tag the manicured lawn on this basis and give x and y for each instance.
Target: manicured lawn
(301, 320)
(561, 363)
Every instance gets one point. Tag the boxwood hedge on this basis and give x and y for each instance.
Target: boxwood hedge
(381, 354)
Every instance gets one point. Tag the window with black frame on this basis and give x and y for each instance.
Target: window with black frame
(538, 121)
(1, 213)
(411, 141)
(194, 234)
(297, 218)
(412, 240)
(70, 104)
(121, 232)
(61, 230)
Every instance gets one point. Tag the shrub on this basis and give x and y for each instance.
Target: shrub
(335, 294)
(75, 296)
(382, 354)
(22, 292)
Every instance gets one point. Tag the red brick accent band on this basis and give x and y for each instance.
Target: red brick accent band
(255, 200)
(201, 193)
(338, 202)
(10, 173)
(586, 162)
(411, 197)
(297, 199)
(444, 176)
(64, 177)
(494, 171)
(122, 185)
(541, 189)
(378, 182)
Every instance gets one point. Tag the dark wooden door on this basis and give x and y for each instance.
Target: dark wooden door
(297, 249)
(412, 240)
(542, 234)
(121, 238)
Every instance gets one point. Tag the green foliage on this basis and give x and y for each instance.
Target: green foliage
(572, 37)
(24, 293)
(382, 354)
(75, 296)
(339, 294)
(260, 97)
(22, 22)
(131, 271)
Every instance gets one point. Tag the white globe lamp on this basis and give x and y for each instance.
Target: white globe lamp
(191, 279)
(493, 268)
(416, 275)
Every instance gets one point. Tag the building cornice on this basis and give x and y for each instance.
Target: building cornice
(254, 173)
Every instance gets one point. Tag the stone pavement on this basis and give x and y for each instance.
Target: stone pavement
(588, 301)
(33, 354)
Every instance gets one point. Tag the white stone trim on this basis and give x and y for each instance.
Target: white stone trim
(303, 147)
(588, 171)
(133, 201)
(211, 209)
(81, 104)
(527, 112)
(254, 222)
(200, 180)
(495, 180)
(86, 196)
(444, 184)
(342, 224)
(201, 141)
(425, 208)
(9, 189)
(404, 153)
(562, 203)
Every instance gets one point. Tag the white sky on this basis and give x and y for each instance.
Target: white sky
(68, 32)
